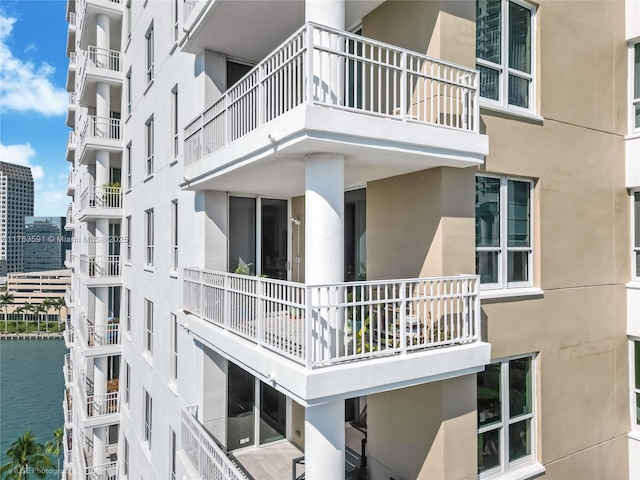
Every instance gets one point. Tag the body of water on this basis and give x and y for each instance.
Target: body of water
(31, 391)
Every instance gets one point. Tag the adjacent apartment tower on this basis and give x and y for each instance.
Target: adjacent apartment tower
(46, 243)
(16, 202)
(341, 239)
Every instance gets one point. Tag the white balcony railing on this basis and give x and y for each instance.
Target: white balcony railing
(68, 369)
(106, 471)
(321, 66)
(68, 334)
(103, 335)
(68, 406)
(189, 7)
(317, 325)
(100, 266)
(71, 141)
(101, 197)
(101, 127)
(69, 220)
(71, 180)
(102, 58)
(72, 100)
(72, 19)
(205, 455)
(72, 60)
(103, 404)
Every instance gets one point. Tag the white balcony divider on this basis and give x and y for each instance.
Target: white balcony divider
(68, 334)
(101, 127)
(317, 325)
(72, 60)
(205, 455)
(68, 369)
(189, 7)
(103, 58)
(101, 197)
(69, 220)
(372, 78)
(71, 140)
(68, 406)
(72, 100)
(100, 266)
(104, 404)
(72, 19)
(71, 179)
(106, 471)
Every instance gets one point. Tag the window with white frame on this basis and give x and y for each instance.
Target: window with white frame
(176, 18)
(173, 438)
(128, 238)
(503, 231)
(174, 235)
(129, 163)
(127, 306)
(128, 88)
(148, 326)
(149, 40)
(125, 449)
(128, 15)
(635, 107)
(175, 126)
(127, 384)
(149, 134)
(149, 234)
(636, 235)
(635, 387)
(148, 417)
(174, 346)
(506, 415)
(505, 33)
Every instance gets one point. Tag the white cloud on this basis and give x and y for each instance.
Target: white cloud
(24, 86)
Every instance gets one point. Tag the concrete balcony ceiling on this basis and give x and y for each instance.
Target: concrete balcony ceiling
(87, 22)
(388, 110)
(222, 25)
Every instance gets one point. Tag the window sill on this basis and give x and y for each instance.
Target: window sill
(126, 47)
(521, 473)
(149, 85)
(149, 177)
(126, 120)
(173, 274)
(511, 293)
(127, 264)
(511, 112)
(127, 191)
(149, 268)
(634, 285)
(174, 161)
(634, 435)
(632, 136)
(173, 48)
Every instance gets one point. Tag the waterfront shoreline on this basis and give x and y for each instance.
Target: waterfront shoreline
(31, 336)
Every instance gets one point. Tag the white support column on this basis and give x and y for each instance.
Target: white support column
(99, 445)
(324, 441)
(324, 245)
(325, 12)
(103, 31)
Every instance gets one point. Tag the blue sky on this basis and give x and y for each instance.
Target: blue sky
(33, 100)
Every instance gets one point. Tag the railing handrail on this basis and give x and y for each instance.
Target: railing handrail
(317, 325)
(209, 460)
(451, 104)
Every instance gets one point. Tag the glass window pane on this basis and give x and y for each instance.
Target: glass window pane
(275, 224)
(637, 115)
(518, 268)
(489, 405)
(489, 83)
(519, 38)
(519, 387)
(272, 414)
(519, 440)
(242, 235)
(488, 30)
(487, 212)
(636, 352)
(636, 69)
(638, 408)
(518, 91)
(487, 266)
(240, 408)
(638, 264)
(518, 213)
(488, 450)
(636, 220)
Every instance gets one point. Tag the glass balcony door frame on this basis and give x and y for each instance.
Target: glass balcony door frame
(258, 267)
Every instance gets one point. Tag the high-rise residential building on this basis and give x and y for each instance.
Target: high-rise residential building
(16, 202)
(46, 242)
(343, 236)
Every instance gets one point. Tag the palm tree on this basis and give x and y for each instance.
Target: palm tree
(26, 456)
(47, 303)
(59, 304)
(27, 308)
(6, 299)
(38, 310)
(19, 311)
(55, 446)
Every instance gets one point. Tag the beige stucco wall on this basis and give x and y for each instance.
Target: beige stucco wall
(414, 432)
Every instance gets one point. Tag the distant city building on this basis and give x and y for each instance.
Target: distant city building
(45, 243)
(16, 202)
(35, 287)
